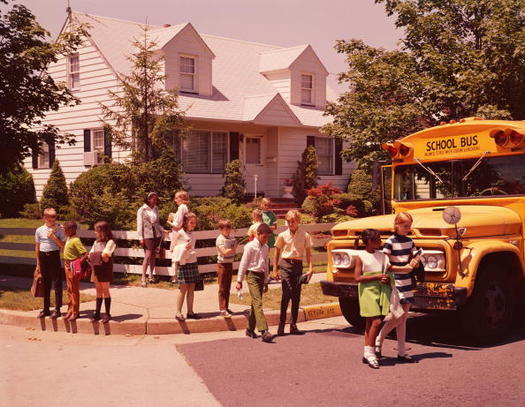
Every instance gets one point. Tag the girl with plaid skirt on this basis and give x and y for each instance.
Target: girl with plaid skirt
(187, 269)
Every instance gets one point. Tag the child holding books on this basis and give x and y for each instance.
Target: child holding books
(226, 248)
(254, 264)
(73, 250)
(182, 199)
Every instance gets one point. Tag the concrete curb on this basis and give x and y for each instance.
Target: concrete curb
(157, 326)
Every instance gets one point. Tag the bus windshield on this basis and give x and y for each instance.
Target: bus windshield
(504, 175)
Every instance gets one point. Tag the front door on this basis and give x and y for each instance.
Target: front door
(254, 170)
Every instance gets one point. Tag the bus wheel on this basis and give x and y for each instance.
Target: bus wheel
(487, 316)
(350, 310)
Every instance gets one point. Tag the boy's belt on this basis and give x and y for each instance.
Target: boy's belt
(255, 271)
(52, 252)
(294, 261)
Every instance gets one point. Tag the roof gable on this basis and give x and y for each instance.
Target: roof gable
(286, 58)
(269, 109)
(308, 53)
(166, 36)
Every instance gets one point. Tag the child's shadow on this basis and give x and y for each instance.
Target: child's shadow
(392, 361)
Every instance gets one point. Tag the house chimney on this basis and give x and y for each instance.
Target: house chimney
(166, 25)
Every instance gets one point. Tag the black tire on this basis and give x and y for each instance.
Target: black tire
(350, 310)
(487, 316)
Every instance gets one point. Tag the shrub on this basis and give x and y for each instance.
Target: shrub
(55, 192)
(211, 210)
(16, 190)
(335, 218)
(234, 186)
(307, 218)
(114, 192)
(320, 201)
(31, 211)
(360, 186)
(351, 205)
(305, 177)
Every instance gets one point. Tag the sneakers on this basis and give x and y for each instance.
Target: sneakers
(225, 314)
(267, 336)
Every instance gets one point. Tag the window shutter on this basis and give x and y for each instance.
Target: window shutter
(310, 141)
(107, 142)
(338, 158)
(234, 146)
(51, 152)
(87, 140)
(35, 157)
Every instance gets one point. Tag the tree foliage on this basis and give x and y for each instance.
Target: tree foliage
(143, 108)
(114, 192)
(234, 185)
(16, 190)
(305, 176)
(458, 58)
(55, 192)
(26, 92)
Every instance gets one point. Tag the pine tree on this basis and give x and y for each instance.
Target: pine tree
(143, 108)
(234, 184)
(305, 176)
(55, 192)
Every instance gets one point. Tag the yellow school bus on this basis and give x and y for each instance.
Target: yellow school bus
(464, 185)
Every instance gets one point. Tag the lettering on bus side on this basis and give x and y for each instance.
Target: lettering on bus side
(452, 145)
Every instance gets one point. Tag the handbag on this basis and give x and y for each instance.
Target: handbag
(199, 285)
(76, 266)
(37, 288)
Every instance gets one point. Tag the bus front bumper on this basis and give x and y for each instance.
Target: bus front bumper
(428, 296)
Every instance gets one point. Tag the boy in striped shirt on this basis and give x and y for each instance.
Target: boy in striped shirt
(401, 251)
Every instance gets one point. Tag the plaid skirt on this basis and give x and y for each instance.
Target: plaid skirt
(188, 273)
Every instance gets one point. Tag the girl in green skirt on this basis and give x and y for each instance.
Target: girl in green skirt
(371, 272)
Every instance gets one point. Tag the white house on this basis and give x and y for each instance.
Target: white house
(257, 102)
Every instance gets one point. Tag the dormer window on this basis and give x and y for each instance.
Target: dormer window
(73, 77)
(188, 74)
(307, 85)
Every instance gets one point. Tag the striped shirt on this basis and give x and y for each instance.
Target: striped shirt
(399, 250)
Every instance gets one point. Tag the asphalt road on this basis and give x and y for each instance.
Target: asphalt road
(321, 368)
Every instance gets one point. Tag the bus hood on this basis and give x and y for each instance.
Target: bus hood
(479, 220)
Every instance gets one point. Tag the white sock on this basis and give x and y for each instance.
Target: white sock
(369, 352)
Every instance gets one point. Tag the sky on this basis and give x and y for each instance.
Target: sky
(280, 22)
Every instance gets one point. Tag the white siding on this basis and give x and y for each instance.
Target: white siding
(188, 42)
(308, 63)
(292, 142)
(96, 77)
(281, 83)
(277, 114)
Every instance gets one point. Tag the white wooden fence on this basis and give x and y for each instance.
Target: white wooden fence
(136, 252)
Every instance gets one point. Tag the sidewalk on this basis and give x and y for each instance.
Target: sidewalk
(139, 311)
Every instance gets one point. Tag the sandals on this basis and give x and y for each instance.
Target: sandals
(192, 316)
(371, 362)
(143, 284)
(180, 317)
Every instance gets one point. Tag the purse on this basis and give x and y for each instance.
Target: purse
(37, 288)
(76, 267)
(199, 285)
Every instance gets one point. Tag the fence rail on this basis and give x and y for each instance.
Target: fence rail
(135, 252)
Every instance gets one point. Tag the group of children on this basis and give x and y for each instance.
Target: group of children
(386, 290)
(50, 239)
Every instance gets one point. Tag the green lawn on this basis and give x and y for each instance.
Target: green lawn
(311, 294)
(21, 299)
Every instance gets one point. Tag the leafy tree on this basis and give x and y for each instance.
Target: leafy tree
(55, 191)
(472, 65)
(305, 176)
(26, 92)
(16, 190)
(234, 185)
(143, 108)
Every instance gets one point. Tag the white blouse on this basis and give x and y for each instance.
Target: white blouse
(100, 248)
(180, 253)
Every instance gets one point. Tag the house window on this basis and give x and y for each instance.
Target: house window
(73, 71)
(205, 152)
(187, 74)
(98, 140)
(324, 147)
(307, 84)
(43, 156)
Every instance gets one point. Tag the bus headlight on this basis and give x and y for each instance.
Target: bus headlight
(343, 258)
(433, 260)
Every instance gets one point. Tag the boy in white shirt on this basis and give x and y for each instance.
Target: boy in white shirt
(254, 264)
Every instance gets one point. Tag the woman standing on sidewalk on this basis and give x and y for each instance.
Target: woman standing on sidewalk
(150, 234)
(100, 257)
